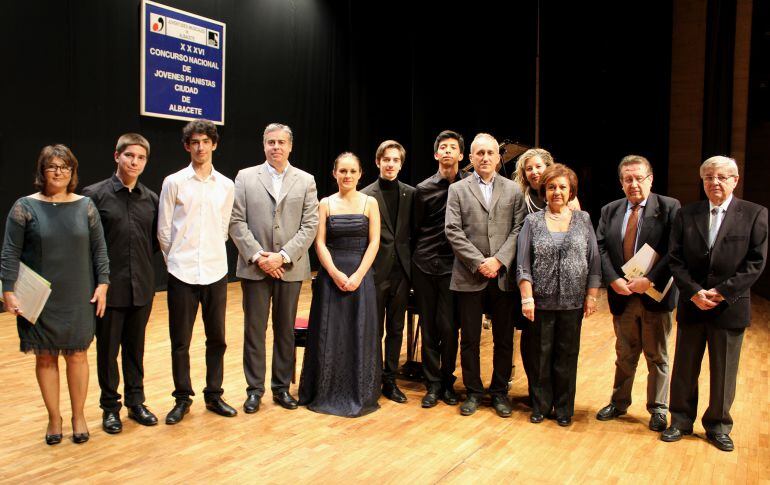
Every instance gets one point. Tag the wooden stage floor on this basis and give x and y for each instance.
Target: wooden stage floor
(400, 443)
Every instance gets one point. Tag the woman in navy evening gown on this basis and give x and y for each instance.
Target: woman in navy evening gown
(341, 369)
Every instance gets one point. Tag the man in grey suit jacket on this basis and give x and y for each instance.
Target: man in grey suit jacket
(483, 219)
(274, 222)
(392, 266)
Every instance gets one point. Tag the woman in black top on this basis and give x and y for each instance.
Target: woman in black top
(58, 234)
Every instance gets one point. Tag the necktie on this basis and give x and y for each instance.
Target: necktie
(713, 226)
(629, 240)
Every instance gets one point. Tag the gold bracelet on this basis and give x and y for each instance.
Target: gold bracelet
(593, 298)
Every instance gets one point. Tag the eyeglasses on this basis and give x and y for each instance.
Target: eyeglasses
(638, 179)
(717, 178)
(60, 168)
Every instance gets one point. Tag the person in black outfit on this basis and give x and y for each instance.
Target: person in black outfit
(392, 266)
(129, 212)
(432, 260)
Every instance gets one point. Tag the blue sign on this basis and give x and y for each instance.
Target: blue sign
(183, 65)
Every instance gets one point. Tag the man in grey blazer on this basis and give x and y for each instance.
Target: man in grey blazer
(274, 222)
(483, 219)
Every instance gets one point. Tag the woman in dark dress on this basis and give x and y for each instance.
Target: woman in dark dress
(341, 369)
(58, 234)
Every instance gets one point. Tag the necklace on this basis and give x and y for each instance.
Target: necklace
(557, 217)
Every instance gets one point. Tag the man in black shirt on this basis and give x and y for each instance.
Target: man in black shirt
(392, 266)
(432, 260)
(129, 213)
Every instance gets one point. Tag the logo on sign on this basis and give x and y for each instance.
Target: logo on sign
(157, 23)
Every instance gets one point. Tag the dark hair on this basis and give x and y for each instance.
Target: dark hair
(47, 154)
(633, 160)
(351, 155)
(559, 170)
(446, 135)
(129, 139)
(196, 127)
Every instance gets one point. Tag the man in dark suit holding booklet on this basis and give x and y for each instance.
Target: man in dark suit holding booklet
(642, 323)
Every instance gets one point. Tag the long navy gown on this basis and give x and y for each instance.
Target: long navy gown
(341, 369)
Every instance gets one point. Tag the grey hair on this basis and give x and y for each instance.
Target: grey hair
(487, 136)
(719, 161)
(276, 127)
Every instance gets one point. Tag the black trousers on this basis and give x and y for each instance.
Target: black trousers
(554, 344)
(724, 349)
(257, 295)
(439, 327)
(183, 302)
(471, 307)
(392, 299)
(121, 327)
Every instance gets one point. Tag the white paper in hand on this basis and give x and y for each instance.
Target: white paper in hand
(32, 292)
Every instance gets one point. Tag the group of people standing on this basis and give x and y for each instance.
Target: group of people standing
(469, 245)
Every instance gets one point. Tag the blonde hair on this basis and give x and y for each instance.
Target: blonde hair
(520, 175)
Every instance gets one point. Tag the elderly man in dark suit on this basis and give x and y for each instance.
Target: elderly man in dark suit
(642, 324)
(718, 250)
(274, 222)
(483, 218)
(392, 266)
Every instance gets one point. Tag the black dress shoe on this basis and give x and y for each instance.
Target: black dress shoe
(609, 412)
(536, 418)
(658, 422)
(674, 434)
(111, 423)
(177, 413)
(470, 405)
(142, 415)
(720, 440)
(450, 397)
(251, 405)
(502, 406)
(220, 407)
(285, 400)
(53, 439)
(563, 420)
(392, 392)
(430, 399)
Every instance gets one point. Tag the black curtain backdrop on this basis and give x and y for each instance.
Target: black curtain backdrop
(346, 75)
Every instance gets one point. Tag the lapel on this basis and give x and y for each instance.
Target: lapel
(476, 191)
(264, 176)
(384, 214)
(651, 212)
(289, 178)
(701, 217)
(616, 230)
(403, 209)
(730, 219)
(496, 191)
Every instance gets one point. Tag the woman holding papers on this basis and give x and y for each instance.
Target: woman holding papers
(559, 273)
(58, 234)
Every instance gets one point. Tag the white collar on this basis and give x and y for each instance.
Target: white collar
(722, 206)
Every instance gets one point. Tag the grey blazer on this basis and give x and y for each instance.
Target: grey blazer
(477, 232)
(263, 220)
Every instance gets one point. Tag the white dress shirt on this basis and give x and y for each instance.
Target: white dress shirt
(486, 188)
(193, 220)
(640, 218)
(715, 221)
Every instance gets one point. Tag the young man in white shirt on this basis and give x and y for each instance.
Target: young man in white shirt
(193, 220)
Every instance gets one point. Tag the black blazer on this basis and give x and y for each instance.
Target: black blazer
(395, 244)
(731, 266)
(657, 219)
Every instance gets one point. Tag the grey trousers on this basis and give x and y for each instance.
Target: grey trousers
(257, 295)
(640, 331)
